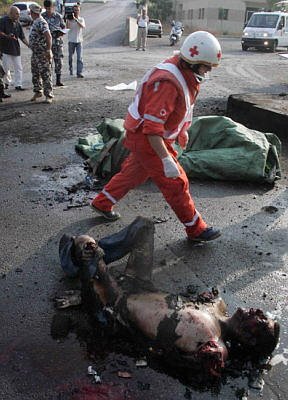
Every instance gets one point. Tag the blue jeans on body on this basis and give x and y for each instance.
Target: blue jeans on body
(79, 51)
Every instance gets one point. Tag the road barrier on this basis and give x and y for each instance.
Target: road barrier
(131, 31)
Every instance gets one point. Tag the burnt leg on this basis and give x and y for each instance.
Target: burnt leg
(136, 239)
(140, 262)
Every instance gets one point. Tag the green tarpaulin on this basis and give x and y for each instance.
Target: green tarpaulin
(218, 148)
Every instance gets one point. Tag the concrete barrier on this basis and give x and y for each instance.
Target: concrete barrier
(131, 32)
(263, 112)
(95, 1)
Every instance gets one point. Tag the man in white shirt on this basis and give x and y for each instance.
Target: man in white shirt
(142, 22)
(75, 40)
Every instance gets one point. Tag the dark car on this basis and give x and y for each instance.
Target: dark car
(155, 28)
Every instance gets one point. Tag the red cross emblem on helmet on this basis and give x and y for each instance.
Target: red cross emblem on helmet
(194, 51)
(219, 55)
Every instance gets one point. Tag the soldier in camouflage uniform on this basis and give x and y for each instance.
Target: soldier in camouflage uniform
(2, 86)
(56, 25)
(40, 42)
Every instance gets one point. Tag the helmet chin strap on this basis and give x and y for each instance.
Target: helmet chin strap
(199, 78)
(202, 78)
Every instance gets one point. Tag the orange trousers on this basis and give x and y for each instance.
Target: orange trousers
(135, 170)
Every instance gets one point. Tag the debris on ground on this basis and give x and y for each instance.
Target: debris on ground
(256, 380)
(91, 371)
(124, 374)
(270, 209)
(123, 86)
(159, 220)
(141, 363)
(69, 206)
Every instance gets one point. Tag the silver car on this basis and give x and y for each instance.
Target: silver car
(25, 17)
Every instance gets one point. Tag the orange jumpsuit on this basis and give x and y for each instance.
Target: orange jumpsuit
(161, 108)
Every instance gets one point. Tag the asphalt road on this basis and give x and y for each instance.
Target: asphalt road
(248, 263)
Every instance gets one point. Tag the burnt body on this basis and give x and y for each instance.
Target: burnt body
(190, 334)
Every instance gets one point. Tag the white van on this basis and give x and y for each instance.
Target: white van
(266, 30)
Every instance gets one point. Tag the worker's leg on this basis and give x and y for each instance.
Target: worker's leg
(176, 193)
(131, 175)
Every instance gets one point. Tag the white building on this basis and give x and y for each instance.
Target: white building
(221, 16)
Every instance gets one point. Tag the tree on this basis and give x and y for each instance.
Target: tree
(161, 9)
(271, 4)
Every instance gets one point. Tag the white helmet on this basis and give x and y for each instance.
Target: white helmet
(201, 48)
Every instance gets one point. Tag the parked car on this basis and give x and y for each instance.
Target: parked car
(25, 17)
(155, 28)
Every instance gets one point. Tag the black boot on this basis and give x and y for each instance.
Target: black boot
(58, 80)
(2, 94)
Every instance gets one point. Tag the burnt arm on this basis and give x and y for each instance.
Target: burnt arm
(105, 286)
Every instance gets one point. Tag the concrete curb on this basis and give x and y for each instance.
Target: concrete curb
(263, 112)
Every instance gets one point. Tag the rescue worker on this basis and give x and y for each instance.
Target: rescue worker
(160, 114)
(56, 25)
(40, 42)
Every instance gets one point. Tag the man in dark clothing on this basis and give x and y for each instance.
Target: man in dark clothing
(10, 33)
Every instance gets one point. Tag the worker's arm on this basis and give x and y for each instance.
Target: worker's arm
(169, 165)
(158, 145)
(160, 103)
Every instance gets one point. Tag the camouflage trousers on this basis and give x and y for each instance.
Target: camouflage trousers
(2, 73)
(41, 70)
(57, 50)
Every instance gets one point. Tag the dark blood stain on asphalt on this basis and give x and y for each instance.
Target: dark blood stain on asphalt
(113, 353)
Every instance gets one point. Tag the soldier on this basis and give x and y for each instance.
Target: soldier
(2, 73)
(56, 24)
(40, 42)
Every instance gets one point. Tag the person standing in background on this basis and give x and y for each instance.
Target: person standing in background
(10, 31)
(3, 95)
(56, 24)
(75, 40)
(40, 42)
(142, 22)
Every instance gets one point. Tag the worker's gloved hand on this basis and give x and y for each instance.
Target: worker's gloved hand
(170, 167)
(183, 139)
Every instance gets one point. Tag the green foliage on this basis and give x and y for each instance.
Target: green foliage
(4, 4)
(160, 9)
(271, 4)
(140, 3)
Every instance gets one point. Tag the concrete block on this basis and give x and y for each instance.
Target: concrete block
(263, 112)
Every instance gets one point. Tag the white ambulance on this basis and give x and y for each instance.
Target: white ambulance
(266, 30)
